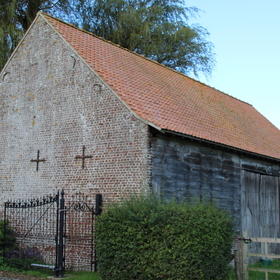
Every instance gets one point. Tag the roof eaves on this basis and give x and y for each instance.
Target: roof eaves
(224, 146)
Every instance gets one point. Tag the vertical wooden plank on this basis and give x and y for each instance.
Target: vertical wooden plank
(240, 248)
(238, 261)
(250, 207)
(269, 207)
(269, 210)
(266, 252)
(245, 256)
(237, 264)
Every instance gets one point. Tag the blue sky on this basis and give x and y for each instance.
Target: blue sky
(246, 36)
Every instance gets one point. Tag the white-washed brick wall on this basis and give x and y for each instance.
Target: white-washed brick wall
(51, 101)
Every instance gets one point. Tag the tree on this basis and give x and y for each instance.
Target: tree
(17, 15)
(9, 32)
(157, 29)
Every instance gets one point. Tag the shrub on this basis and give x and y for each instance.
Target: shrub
(147, 238)
(25, 256)
(14, 254)
(9, 241)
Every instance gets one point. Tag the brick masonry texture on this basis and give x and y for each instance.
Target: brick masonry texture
(53, 102)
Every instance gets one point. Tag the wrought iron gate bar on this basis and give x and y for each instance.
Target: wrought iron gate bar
(32, 202)
(40, 218)
(33, 223)
(59, 232)
(79, 206)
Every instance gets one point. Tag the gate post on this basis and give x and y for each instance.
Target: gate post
(4, 233)
(238, 261)
(245, 256)
(60, 258)
(98, 211)
(98, 204)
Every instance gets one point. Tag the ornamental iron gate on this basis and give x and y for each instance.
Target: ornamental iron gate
(34, 226)
(54, 232)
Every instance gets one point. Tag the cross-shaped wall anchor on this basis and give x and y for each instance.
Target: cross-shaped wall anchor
(83, 157)
(37, 160)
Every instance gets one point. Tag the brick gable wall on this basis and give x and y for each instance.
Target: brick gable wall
(51, 101)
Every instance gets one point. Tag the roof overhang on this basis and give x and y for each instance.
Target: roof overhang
(220, 145)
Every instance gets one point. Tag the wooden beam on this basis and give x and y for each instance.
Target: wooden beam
(264, 270)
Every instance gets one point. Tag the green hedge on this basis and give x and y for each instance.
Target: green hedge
(148, 238)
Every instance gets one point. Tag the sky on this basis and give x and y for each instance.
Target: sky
(246, 38)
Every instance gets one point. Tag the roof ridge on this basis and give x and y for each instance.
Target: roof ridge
(140, 55)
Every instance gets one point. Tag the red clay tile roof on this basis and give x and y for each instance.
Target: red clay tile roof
(171, 100)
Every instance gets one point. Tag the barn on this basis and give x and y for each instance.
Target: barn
(82, 114)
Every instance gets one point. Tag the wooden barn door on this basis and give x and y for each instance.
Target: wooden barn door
(260, 204)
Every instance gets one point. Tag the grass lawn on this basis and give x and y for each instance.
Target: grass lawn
(253, 275)
(83, 275)
(86, 275)
(44, 273)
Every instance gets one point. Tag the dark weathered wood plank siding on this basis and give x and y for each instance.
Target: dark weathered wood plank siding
(260, 204)
(184, 168)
